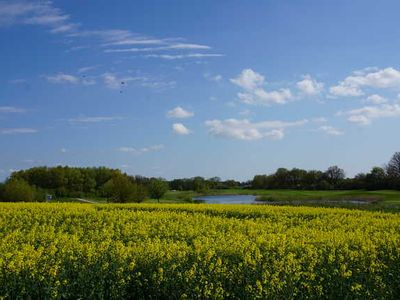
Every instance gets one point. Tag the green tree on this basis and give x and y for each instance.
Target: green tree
(18, 190)
(334, 175)
(157, 188)
(376, 179)
(121, 189)
(393, 170)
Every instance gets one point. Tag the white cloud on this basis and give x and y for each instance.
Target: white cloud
(63, 78)
(359, 119)
(65, 28)
(189, 46)
(112, 38)
(182, 56)
(35, 13)
(180, 129)
(365, 115)
(245, 112)
(47, 19)
(179, 113)
(275, 134)
(310, 86)
(215, 78)
(351, 85)
(376, 99)
(11, 109)
(88, 81)
(365, 71)
(134, 150)
(152, 148)
(138, 41)
(254, 94)
(18, 81)
(114, 82)
(63, 150)
(246, 130)
(262, 97)
(179, 46)
(248, 80)
(330, 130)
(86, 69)
(345, 90)
(17, 130)
(94, 119)
(129, 150)
(43, 13)
(320, 120)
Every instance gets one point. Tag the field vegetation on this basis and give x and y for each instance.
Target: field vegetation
(147, 251)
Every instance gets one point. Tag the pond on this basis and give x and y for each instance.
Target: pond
(251, 199)
(227, 199)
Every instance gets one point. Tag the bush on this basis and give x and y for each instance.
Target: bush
(18, 190)
(121, 189)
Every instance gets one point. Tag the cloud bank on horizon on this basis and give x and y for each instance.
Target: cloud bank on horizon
(94, 84)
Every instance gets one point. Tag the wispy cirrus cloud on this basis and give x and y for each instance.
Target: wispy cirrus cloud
(129, 41)
(112, 81)
(96, 119)
(44, 13)
(86, 69)
(246, 130)
(12, 109)
(117, 81)
(135, 150)
(179, 46)
(62, 78)
(18, 81)
(17, 130)
(41, 13)
(182, 56)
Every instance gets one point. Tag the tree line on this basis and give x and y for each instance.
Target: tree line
(378, 178)
(71, 182)
(36, 183)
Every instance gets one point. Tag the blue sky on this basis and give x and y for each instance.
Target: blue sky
(209, 88)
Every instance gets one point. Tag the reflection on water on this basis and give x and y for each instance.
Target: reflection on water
(227, 199)
(251, 199)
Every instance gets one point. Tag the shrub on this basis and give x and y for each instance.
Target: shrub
(18, 190)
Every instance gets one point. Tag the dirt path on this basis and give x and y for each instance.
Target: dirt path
(86, 201)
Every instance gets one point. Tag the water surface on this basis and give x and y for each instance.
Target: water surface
(227, 199)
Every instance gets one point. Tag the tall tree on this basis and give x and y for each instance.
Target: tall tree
(393, 171)
(334, 175)
(157, 188)
(393, 167)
